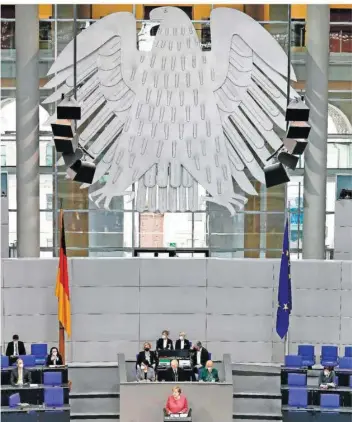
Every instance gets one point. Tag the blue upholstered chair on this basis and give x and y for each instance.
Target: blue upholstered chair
(348, 351)
(293, 361)
(40, 352)
(54, 396)
(209, 356)
(52, 378)
(28, 360)
(297, 380)
(5, 361)
(329, 355)
(307, 353)
(345, 363)
(298, 397)
(330, 401)
(14, 400)
(350, 381)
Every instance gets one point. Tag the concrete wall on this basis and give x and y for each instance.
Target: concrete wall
(4, 227)
(118, 303)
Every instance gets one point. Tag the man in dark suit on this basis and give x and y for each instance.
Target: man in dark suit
(164, 343)
(175, 374)
(15, 348)
(147, 354)
(182, 343)
(20, 375)
(199, 358)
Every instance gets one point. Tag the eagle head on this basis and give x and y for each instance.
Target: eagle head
(168, 14)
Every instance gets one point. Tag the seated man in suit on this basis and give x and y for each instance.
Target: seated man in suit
(182, 343)
(15, 348)
(174, 373)
(164, 343)
(146, 354)
(19, 375)
(200, 357)
(209, 373)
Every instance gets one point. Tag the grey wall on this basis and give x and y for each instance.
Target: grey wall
(4, 227)
(118, 303)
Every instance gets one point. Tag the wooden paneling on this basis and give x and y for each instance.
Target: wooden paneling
(100, 10)
(252, 225)
(45, 11)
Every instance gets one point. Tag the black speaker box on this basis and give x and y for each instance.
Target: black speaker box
(69, 109)
(275, 174)
(288, 160)
(298, 130)
(297, 111)
(295, 146)
(82, 171)
(62, 129)
(64, 145)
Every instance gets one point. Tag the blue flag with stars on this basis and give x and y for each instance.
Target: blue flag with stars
(285, 293)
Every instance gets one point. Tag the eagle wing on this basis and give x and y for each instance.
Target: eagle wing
(107, 61)
(248, 72)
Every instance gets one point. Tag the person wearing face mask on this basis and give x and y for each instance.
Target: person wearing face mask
(145, 372)
(15, 348)
(199, 357)
(177, 403)
(182, 343)
(327, 378)
(209, 373)
(148, 355)
(164, 343)
(54, 358)
(20, 375)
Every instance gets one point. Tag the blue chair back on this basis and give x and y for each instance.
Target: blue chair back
(297, 380)
(345, 363)
(52, 378)
(298, 397)
(28, 360)
(54, 396)
(293, 361)
(14, 400)
(348, 351)
(350, 381)
(329, 352)
(39, 350)
(330, 401)
(209, 356)
(5, 361)
(190, 344)
(306, 351)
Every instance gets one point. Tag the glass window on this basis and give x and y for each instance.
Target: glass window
(3, 155)
(49, 206)
(49, 155)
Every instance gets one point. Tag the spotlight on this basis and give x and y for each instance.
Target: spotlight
(298, 129)
(275, 174)
(297, 111)
(68, 109)
(295, 146)
(288, 160)
(64, 136)
(82, 171)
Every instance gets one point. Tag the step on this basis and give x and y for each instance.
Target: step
(96, 417)
(258, 405)
(257, 416)
(96, 405)
(254, 382)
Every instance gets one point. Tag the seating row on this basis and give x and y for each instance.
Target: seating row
(298, 397)
(300, 380)
(53, 397)
(329, 355)
(299, 361)
(28, 360)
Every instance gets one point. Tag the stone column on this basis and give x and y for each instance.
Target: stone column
(27, 130)
(318, 17)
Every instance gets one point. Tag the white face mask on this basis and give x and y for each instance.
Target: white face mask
(163, 337)
(181, 338)
(326, 372)
(54, 353)
(210, 368)
(143, 367)
(20, 365)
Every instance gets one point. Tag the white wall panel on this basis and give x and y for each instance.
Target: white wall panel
(314, 329)
(315, 302)
(346, 331)
(29, 301)
(346, 269)
(103, 351)
(316, 274)
(105, 300)
(31, 328)
(241, 352)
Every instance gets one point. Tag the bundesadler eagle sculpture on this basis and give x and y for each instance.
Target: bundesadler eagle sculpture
(174, 118)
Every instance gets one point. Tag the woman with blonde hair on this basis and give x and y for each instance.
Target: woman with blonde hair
(146, 354)
(176, 403)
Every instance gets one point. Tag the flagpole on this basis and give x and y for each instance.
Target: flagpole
(62, 348)
(287, 338)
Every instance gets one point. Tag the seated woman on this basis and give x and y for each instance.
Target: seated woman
(327, 377)
(209, 374)
(146, 354)
(20, 375)
(145, 372)
(176, 403)
(54, 358)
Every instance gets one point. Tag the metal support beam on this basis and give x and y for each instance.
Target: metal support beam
(315, 157)
(27, 130)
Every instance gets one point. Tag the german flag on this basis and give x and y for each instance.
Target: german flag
(62, 290)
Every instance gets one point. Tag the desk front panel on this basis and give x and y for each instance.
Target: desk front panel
(31, 395)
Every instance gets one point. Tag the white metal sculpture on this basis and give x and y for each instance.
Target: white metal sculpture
(175, 117)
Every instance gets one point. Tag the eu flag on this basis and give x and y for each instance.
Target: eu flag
(285, 294)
